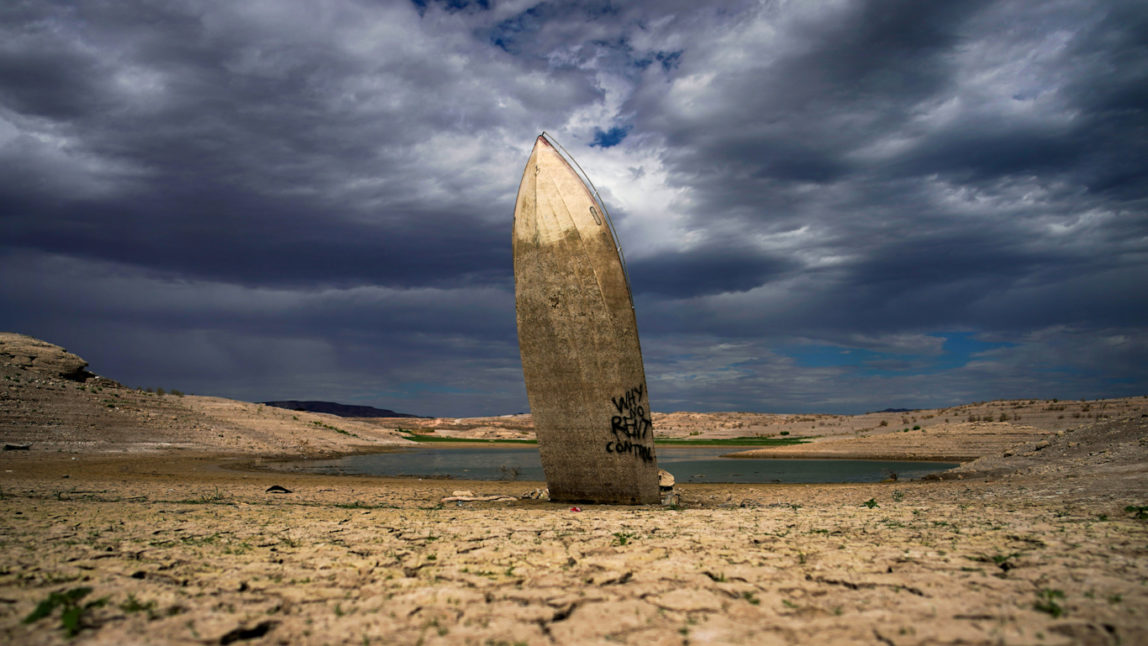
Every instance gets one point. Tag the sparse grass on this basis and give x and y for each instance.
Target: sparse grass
(736, 441)
(135, 605)
(1138, 512)
(415, 437)
(621, 538)
(72, 613)
(333, 428)
(1046, 601)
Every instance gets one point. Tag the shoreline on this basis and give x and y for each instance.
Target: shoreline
(859, 456)
(284, 464)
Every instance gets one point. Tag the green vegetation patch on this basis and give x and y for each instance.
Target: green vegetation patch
(734, 441)
(73, 612)
(1047, 601)
(428, 439)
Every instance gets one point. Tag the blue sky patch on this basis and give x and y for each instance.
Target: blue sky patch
(609, 138)
(958, 350)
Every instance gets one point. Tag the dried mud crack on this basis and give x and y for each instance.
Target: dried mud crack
(217, 560)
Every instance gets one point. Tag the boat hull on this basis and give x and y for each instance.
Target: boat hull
(578, 336)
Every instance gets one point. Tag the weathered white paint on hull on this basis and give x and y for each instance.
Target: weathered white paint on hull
(579, 341)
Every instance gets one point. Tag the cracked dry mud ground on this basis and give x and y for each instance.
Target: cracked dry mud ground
(191, 554)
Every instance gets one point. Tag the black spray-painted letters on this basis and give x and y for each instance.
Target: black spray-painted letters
(631, 425)
(632, 421)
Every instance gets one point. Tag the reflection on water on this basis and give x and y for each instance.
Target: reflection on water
(688, 464)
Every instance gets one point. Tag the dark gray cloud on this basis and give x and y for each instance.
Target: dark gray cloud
(824, 207)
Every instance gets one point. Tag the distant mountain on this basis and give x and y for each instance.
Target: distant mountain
(332, 408)
(897, 410)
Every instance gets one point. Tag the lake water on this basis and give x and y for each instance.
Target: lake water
(688, 464)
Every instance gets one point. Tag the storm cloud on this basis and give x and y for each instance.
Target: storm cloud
(829, 207)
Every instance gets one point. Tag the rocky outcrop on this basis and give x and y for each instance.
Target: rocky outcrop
(42, 357)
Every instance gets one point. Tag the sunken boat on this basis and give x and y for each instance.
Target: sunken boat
(578, 336)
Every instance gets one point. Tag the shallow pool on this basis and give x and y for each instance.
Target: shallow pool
(688, 464)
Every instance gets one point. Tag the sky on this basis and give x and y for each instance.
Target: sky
(830, 207)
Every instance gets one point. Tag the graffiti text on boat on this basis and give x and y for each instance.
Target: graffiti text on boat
(631, 425)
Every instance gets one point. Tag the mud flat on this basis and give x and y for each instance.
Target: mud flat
(1035, 547)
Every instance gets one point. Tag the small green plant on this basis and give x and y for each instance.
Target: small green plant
(1003, 561)
(621, 538)
(750, 597)
(72, 613)
(135, 605)
(1046, 602)
(1138, 512)
(898, 495)
(916, 428)
(871, 503)
(159, 391)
